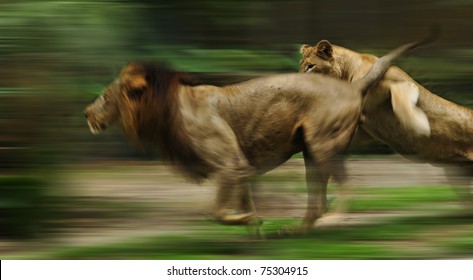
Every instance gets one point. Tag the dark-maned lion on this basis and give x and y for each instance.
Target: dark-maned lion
(395, 104)
(235, 132)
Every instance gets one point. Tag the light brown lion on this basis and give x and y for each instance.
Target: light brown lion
(395, 104)
(235, 132)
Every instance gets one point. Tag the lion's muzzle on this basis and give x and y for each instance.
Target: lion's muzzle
(95, 126)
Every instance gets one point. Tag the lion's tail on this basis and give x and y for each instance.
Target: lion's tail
(383, 63)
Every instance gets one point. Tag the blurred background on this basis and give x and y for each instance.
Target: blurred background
(61, 187)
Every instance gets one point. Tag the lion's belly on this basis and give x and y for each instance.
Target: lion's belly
(265, 136)
(268, 153)
(436, 148)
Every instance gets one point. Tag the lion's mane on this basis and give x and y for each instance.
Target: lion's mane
(152, 118)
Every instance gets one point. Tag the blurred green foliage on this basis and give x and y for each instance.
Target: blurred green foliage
(24, 206)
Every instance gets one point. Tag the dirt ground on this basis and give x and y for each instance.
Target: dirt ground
(152, 183)
(125, 200)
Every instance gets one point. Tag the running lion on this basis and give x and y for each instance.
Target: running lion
(235, 132)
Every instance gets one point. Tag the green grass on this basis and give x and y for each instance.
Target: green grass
(380, 241)
(462, 245)
(401, 198)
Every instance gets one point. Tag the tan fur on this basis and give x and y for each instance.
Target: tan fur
(338, 62)
(235, 132)
(400, 112)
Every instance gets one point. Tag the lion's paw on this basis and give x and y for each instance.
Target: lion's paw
(237, 218)
(330, 220)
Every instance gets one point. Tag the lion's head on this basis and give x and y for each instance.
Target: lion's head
(142, 94)
(319, 59)
(110, 107)
(102, 113)
(144, 101)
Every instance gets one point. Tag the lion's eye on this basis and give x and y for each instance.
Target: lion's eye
(309, 67)
(135, 92)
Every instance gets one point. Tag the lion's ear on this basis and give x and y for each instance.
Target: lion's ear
(138, 82)
(324, 49)
(304, 48)
(136, 87)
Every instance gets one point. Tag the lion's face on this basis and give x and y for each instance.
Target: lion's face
(105, 110)
(318, 59)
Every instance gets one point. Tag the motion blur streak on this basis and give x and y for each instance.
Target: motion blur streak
(62, 189)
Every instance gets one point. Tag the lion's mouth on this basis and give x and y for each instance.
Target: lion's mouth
(96, 128)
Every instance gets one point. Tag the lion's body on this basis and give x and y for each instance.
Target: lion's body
(235, 132)
(264, 116)
(451, 125)
(396, 100)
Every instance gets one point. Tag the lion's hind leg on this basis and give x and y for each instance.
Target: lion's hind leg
(317, 177)
(336, 215)
(404, 97)
(320, 163)
(323, 157)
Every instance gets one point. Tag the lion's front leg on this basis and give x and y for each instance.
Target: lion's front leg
(217, 143)
(234, 204)
(231, 203)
